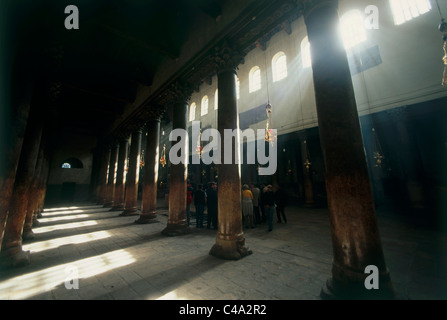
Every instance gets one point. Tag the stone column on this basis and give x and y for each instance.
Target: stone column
(131, 195)
(230, 240)
(118, 201)
(11, 139)
(309, 199)
(150, 179)
(33, 193)
(179, 172)
(355, 235)
(42, 184)
(110, 190)
(103, 174)
(12, 253)
(410, 162)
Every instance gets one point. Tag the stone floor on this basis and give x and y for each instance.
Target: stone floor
(114, 258)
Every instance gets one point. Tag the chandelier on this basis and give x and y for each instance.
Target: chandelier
(443, 29)
(270, 135)
(199, 147)
(307, 163)
(142, 159)
(163, 156)
(377, 154)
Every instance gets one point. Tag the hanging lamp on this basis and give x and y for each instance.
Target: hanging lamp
(270, 136)
(163, 156)
(443, 29)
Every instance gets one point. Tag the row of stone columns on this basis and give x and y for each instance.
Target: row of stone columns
(26, 190)
(355, 236)
(118, 177)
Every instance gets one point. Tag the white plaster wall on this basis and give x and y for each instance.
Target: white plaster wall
(411, 71)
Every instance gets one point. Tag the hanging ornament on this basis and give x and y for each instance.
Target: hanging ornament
(142, 159)
(377, 154)
(307, 163)
(163, 156)
(199, 147)
(443, 29)
(269, 133)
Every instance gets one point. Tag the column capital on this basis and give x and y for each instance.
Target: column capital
(305, 7)
(226, 57)
(302, 135)
(121, 136)
(153, 113)
(179, 92)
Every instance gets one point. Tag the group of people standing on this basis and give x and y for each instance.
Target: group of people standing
(202, 197)
(259, 204)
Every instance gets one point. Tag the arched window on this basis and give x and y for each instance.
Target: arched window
(254, 79)
(279, 66)
(352, 28)
(72, 163)
(192, 111)
(405, 10)
(204, 106)
(238, 88)
(306, 58)
(216, 98)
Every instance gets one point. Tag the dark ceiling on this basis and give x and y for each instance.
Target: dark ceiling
(93, 73)
(87, 77)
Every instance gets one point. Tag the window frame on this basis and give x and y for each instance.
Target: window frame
(216, 99)
(306, 55)
(192, 111)
(403, 11)
(352, 29)
(254, 79)
(279, 71)
(203, 104)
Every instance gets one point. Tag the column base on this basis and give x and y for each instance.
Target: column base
(310, 205)
(230, 249)
(129, 212)
(117, 208)
(28, 235)
(173, 230)
(352, 287)
(108, 205)
(147, 218)
(14, 257)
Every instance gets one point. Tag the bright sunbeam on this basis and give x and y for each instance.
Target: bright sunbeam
(55, 243)
(31, 284)
(65, 226)
(77, 216)
(61, 208)
(55, 213)
(171, 296)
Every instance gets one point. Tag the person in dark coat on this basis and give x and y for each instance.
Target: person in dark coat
(199, 203)
(268, 199)
(281, 202)
(211, 202)
(189, 197)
